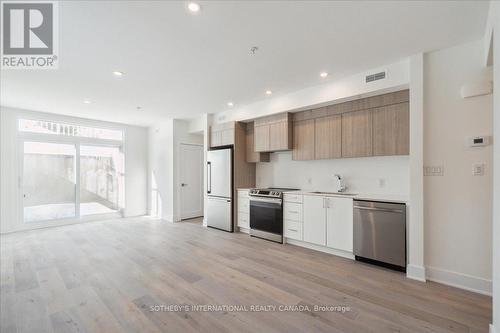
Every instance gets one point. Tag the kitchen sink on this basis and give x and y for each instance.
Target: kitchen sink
(335, 193)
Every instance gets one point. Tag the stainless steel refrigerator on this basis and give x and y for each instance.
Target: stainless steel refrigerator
(220, 189)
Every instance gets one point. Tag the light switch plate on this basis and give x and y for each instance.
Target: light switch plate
(435, 170)
(478, 169)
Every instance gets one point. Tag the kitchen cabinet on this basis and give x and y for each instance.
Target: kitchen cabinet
(314, 223)
(273, 133)
(339, 223)
(251, 155)
(357, 134)
(243, 209)
(328, 221)
(303, 140)
(292, 216)
(222, 134)
(328, 137)
(391, 130)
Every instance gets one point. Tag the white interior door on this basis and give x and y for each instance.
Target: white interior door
(191, 181)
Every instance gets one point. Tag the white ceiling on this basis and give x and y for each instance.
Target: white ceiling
(182, 65)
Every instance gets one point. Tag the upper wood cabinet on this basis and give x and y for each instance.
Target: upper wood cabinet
(222, 134)
(303, 140)
(328, 137)
(261, 138)
(251, 155)
(357, 134)
(391, 130)
(273, 133)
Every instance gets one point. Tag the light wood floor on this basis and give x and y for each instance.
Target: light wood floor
(104, 276)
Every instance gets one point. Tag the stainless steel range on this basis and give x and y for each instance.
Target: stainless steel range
(266, 213)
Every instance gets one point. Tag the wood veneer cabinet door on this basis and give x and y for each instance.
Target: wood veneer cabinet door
(391, 130)
(328, 137)
(279, 136)
(303, 140)
(251, 155)
(357, 134)
(261, 138)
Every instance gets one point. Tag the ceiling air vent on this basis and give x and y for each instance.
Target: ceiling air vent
(375, 77)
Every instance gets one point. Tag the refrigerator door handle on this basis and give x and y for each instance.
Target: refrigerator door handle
(209, 177)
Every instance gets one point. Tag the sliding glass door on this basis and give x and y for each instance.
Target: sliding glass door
(71, 180)
(49, 182)
(101, 180)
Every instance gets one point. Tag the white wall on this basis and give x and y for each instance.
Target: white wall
(338, 90)
(135, 165)
(457, 205)
(164, 161)
(362, 175)
(493, 27)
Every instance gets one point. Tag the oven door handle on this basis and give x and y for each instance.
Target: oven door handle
(269, 200)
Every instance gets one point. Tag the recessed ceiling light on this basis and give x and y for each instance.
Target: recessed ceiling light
(268, 92)
(118, 73)
(194, 7)
(230, 104)
(323, 74)
(87, 101)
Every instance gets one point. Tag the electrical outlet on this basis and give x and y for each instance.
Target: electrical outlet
(478, 169)
(436, 170)
(309, 181)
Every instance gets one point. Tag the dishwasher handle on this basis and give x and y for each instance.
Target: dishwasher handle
(379, 209)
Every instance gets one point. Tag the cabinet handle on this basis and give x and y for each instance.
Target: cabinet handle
(293, 211)
(293, 230)
(327, 203)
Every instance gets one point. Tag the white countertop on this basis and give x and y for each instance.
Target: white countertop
(361, 196)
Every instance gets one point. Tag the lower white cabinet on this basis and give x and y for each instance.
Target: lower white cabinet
(328, 221)
(292, 217)
(339, 223)
(243, 209)
(314, 211)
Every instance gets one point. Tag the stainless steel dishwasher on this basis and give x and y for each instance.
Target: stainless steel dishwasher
(380, 233)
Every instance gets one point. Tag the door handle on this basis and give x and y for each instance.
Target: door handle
(209, 177)
(183, 184)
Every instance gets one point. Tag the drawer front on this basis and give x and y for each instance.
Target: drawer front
(292, 211)
(293, 230)
(243, 205)
(244, 220)
(292, 198)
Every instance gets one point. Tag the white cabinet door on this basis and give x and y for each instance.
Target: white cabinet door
(339, 223)
(314, 219)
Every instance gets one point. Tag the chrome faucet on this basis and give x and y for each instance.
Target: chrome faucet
(341, 187)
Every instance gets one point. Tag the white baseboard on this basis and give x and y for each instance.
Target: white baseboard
(492, 329)
(460, 280)
(320, 248)
(415, 272)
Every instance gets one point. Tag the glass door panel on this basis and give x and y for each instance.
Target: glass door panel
(101, 179)
(49, 183)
